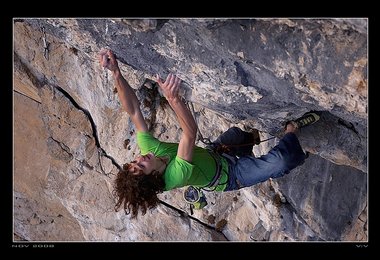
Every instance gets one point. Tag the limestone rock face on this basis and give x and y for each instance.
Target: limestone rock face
(71, 134)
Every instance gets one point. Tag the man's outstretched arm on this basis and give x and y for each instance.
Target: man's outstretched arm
(126, 94)
(186, 120)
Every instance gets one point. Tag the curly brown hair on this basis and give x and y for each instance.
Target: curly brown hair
(137, 191)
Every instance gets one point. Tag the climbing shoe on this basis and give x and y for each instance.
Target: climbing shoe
(307, 119)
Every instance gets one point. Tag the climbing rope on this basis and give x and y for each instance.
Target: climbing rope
(207, 141)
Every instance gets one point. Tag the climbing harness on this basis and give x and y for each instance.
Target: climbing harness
(194, 195)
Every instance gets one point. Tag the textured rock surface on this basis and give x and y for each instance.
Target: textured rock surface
(70, 130)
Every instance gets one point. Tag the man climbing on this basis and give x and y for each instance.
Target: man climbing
(164, 166)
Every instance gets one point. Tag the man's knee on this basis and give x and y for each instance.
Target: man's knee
(235, 129)
(294, 161)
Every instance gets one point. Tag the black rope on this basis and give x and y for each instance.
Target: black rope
(207, 141)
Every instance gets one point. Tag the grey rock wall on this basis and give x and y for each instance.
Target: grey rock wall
(252, 73)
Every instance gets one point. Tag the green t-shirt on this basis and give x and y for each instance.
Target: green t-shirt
(179, 172)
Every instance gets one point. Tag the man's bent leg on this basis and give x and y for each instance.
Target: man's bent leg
(238, 141)
(284, 157)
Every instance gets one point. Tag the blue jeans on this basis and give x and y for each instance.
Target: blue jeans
(248, 170)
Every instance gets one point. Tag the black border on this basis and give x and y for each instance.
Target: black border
(215, 249)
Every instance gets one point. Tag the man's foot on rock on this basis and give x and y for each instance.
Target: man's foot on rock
(307, 119)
